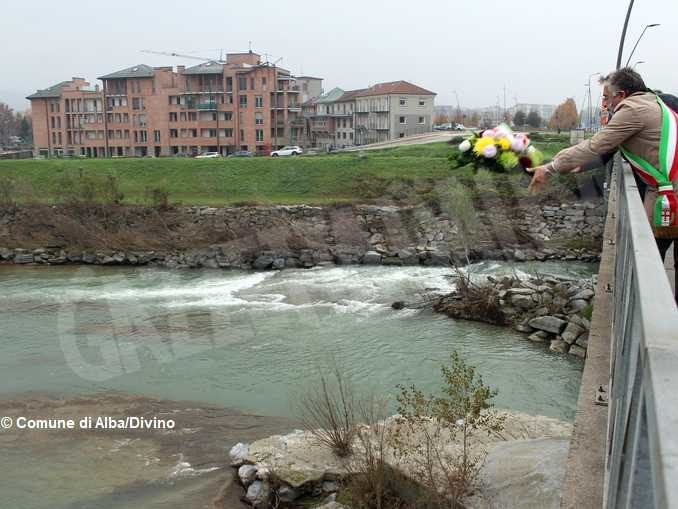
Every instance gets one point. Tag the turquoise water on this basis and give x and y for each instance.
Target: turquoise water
(248, 340)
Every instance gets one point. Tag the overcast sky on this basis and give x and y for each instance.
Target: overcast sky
(542, 51)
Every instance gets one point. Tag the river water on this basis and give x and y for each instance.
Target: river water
(127, 341)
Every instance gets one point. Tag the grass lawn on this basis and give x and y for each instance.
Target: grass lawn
(406, 174)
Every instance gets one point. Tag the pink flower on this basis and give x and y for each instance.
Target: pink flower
(489, 133)
(519, 143)
(490, 151)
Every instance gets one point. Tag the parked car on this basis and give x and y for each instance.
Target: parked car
(459, 127)
(208, 155)
(291, 150)
(241, 153)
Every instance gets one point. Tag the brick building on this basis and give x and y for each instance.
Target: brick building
(239, 104)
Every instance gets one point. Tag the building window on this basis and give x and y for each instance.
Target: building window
(422, 102)
(403, 101)
(137, 103)
(53, 138)
(421, 120)
(228, 133)
(401, 135)
(156, 136)
(263, 82)
(139, 120)
(403, 120)
(251, 83)
(173, 116)
(260, 134)
(258, 102)
(226, 116)
(174, 133)
(192, 116)
(243, 101)
(258, 119)
(242, 83)
(229, 84)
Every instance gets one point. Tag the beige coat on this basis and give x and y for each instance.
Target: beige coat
(635, 125)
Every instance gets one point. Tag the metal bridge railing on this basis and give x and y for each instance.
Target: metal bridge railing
(642, 444)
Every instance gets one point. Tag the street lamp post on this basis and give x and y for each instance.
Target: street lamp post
(623, 35)
(589, 97)
(639, 38)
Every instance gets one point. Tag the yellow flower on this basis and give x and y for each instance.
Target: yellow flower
(481, 144)
(504, 143)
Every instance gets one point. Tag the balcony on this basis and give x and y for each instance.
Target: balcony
(206, 106)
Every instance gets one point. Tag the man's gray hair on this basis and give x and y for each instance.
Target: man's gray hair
(625, 79)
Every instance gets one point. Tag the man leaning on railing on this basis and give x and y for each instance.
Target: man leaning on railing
(645, 128)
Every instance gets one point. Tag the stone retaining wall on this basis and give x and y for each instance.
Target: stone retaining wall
(298, 236)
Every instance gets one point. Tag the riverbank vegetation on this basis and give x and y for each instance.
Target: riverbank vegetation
(422, 457)
(404, 175)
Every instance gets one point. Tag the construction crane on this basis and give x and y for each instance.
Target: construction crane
(179, 55)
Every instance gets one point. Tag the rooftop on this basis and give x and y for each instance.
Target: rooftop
(211, 67)
(138, 71)
(330, 96)
(395, 87)
(350, 95)
(53, 91)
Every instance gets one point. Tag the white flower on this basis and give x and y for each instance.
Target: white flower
(490, 151)
(465, 146)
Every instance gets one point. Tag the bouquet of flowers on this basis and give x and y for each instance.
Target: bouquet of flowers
(498, 149)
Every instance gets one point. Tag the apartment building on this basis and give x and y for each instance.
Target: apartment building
(379, 113)
(322, 120)
(239, 104)
(387, 111)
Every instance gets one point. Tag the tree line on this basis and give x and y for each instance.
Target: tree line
(15, 125)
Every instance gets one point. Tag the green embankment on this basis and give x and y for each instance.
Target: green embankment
(405, 174)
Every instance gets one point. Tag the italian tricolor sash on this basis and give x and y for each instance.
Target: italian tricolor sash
(666, 207)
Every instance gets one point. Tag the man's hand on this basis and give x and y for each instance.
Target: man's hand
(540, 177)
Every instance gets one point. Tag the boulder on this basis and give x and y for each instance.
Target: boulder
(523, 327)
(288, 494)
(585, 294)
(278, 263)
(371, 258)
(292, 263)
(577, 351)
(539, 336)
(6, 254)
(346, 258)
(550, 324)
(23, 258)
(257, 494)
(330, 486)
(89, 258)
(583, 340)
(238, 453)
(522, 301)
(247, 474)
(522, 474)
(558, 346)
(572, 332)
(408, 257)
(262, 262)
